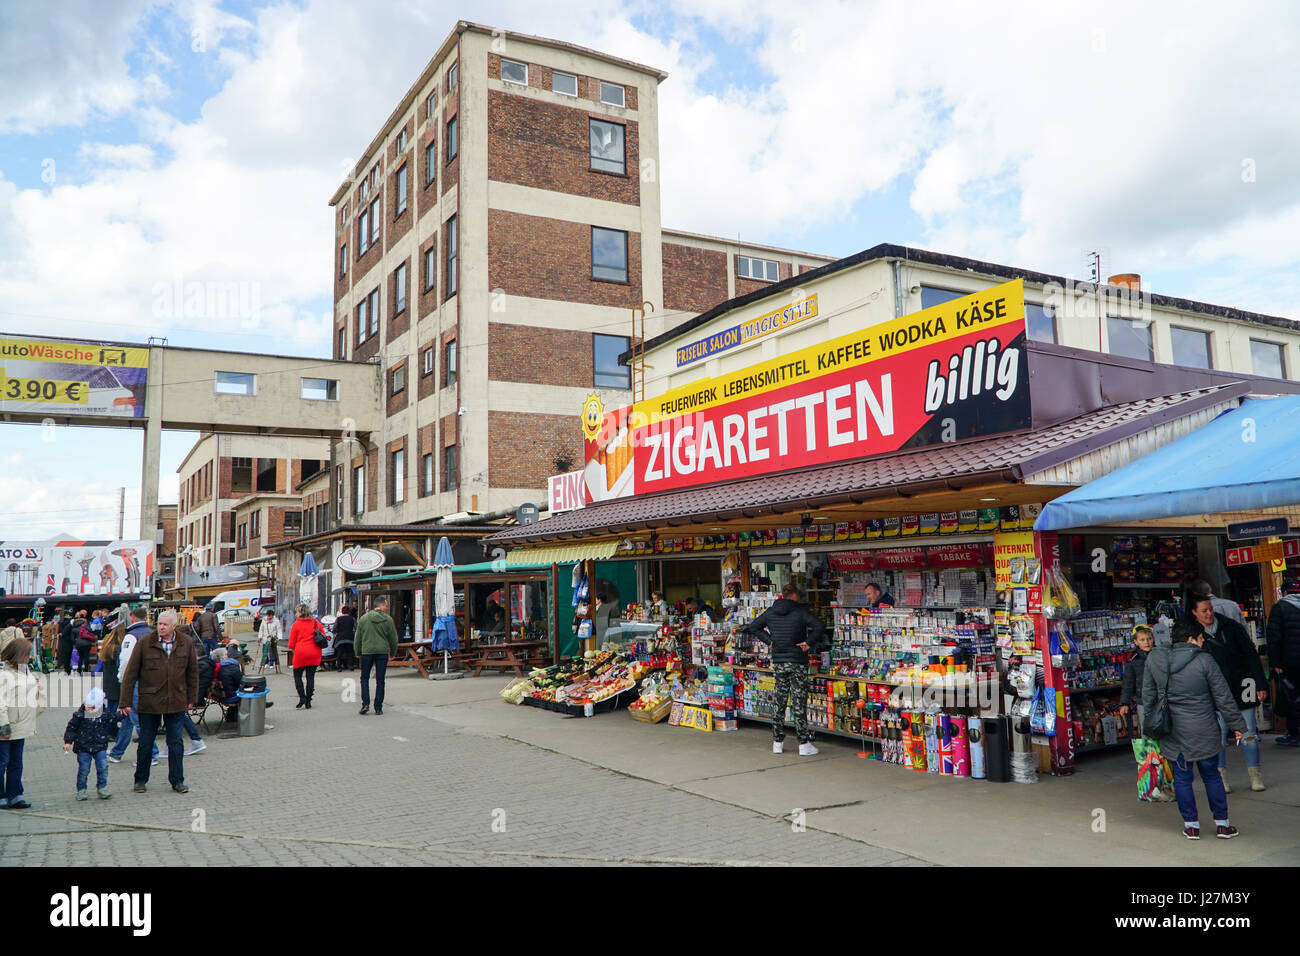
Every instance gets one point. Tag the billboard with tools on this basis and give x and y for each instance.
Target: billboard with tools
(65, 568)
(955, 371)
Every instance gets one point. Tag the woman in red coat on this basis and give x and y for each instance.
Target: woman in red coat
(306, 655)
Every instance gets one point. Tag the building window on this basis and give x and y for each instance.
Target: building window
(426, 471)
(430, 161)
(343, 260)
(255, 525)
(235, 383)
(320, 389)
(266, 475)
(399, 289)
(1267, 358)
(397, 477)
(362, 324)
(611, 94)
(449, 364)
(750, 268)
(292, 523)
(931, 296)
(345, 211)
(241, 474)
(453, 77)
(374, 311)
(401, 191)
(1040, 322)
(426, 362)
(362, 192)
(307, 467)
(241, 538)
(1191, 347)
(359, 489)
(338, 493)
(1130, 338)
(607, 149)
(399, 380)
(565, 83)
(605, 350)
(430, 105)
(452, 248)
(608, 254)
(374, 176)
(401, 141)
(375, 210)
(363, 232)
(449, 470)
(430, 259)
(343, 342)
(513, 71)
(452, 141)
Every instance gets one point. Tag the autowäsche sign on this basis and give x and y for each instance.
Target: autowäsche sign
(957, 370)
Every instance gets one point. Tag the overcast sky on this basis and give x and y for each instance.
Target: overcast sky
(143, 144)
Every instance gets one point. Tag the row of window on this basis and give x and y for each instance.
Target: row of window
(1132, 338)
(611, 94)
(245, 383)
(397, 479)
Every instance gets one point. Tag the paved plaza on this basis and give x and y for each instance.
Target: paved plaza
(452, 775)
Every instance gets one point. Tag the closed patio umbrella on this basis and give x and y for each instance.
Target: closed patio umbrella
(445, 638)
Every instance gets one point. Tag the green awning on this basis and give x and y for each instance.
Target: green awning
(381, 578)
(562, 553)
(500, 567)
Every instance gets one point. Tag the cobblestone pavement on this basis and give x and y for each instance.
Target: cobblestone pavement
(327, 787)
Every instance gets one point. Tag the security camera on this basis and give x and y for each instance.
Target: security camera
(462, 410)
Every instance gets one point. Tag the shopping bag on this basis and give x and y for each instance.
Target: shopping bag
(1155, 778)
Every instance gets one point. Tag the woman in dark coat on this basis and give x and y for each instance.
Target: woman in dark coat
(345, 632)
(1197, 693)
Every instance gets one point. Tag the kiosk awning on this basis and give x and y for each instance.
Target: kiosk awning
(562, 553)
(1247, 459)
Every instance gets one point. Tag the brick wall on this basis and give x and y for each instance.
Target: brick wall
(523, 447)
(399, 322)
(425, 439)
(343, 282)
(428, 384)
(428, 301)
(450, 170)
(396, 445)
(521, 353)
(539, 77)
(695, 280)
(428, 190)
(535, 143)
(397, 401)
(372, 479)
(360, 267)
(551, 259)
(224, 482)
(399, 226)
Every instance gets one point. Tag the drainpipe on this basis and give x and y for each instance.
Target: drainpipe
(898, 288)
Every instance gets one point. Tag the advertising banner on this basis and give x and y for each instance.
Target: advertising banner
(58, 568)
(68, 377)
(954, 371)
(757, 328)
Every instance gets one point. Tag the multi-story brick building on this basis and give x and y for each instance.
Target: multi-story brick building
(490, 246)
(221, 471)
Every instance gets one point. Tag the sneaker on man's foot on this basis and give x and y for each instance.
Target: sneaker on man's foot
(365, 709)
(1223, 772)
(81, 795)
(379, 710)
(807, 750)
(153, 762)
(196, 748)
(1286, 740)
(112, 759)
(104, 794)
(181, 788)
(1192, 833)
(778, 746)
(138, 788)
(1226, 833)
(19, 804)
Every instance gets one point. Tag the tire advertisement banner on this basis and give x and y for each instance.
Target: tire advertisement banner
(955, 371)
(72, 378)
(61, 568)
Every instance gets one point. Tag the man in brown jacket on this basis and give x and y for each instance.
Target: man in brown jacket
(164, 668)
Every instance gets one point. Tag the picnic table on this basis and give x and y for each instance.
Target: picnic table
(513, 655)
(408, 655)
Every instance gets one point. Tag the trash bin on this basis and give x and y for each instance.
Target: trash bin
(252, 712)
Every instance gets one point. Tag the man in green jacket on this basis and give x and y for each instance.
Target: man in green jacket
(376, 641)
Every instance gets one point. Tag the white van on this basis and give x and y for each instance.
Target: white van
(241, 604)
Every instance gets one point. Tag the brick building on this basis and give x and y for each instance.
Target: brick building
(489, 248)
(221, 472)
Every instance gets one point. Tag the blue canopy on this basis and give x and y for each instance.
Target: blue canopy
(442, 557)
(1247, 459)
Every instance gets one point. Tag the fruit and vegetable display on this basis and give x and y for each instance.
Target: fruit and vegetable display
(586, 680)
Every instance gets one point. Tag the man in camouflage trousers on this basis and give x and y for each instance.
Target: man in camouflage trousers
(794, 633)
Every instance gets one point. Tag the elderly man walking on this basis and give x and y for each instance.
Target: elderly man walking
(164, 669)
